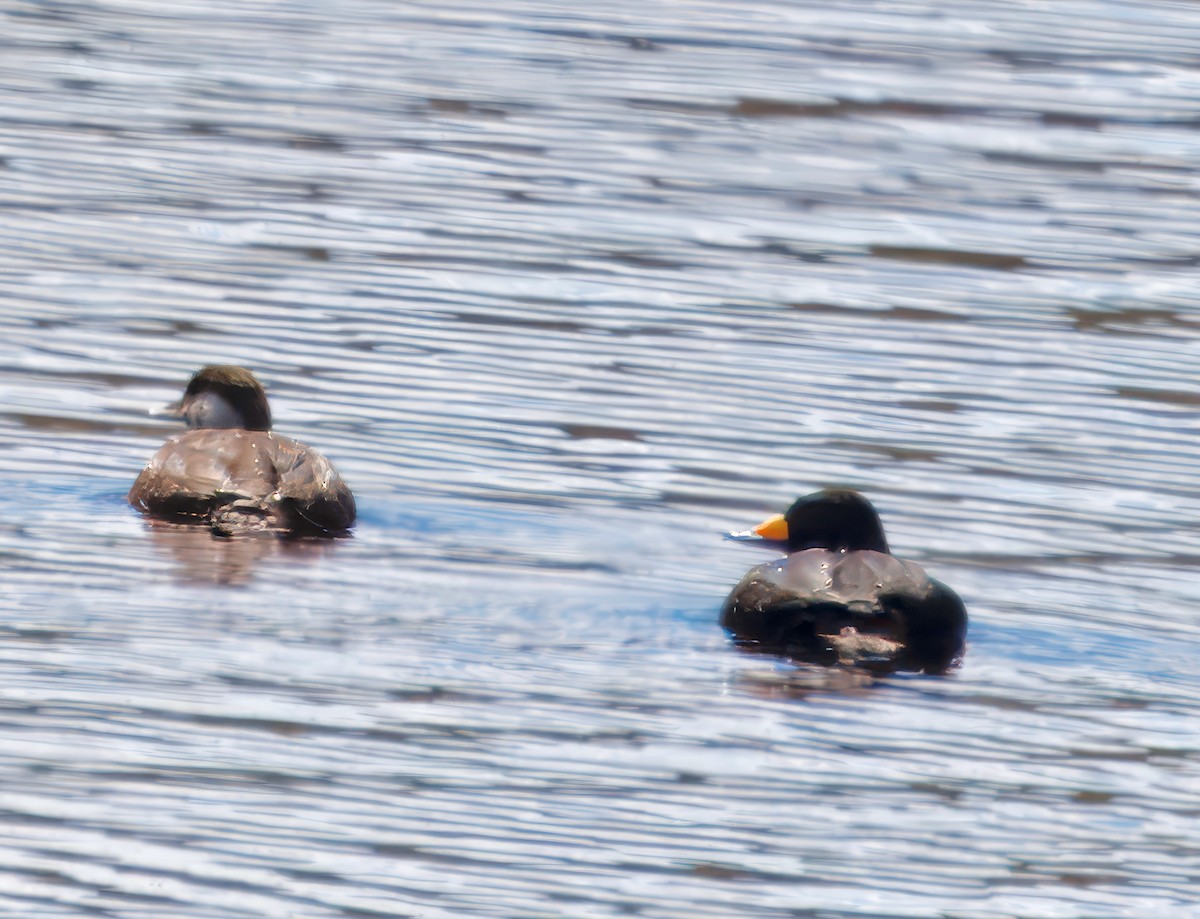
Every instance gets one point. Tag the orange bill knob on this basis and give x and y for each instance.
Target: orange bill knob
(771, 532)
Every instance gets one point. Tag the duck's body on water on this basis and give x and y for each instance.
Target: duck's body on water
(839, 596)
(231, 473)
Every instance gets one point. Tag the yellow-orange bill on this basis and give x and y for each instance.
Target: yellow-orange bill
(774, 528)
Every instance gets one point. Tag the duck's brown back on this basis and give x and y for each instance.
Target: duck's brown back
(200, 471)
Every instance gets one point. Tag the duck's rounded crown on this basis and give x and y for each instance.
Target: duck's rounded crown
(225, 396)
(834, 518)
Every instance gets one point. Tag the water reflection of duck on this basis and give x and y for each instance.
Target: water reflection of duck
(231, 473)
(840, 597)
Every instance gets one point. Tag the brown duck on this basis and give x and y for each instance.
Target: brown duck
(839, 596)
(231, 473)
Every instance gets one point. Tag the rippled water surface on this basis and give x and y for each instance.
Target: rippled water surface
(565, 293)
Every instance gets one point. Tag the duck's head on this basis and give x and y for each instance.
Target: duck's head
(224, 396)
(835, 518)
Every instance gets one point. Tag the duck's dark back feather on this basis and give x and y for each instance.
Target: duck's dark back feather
(198, 472)
(826, 605)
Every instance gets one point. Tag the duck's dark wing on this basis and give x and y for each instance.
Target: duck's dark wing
(935, 622)
(196, 471)
(310, 488)
(815, 588)
(831, 606)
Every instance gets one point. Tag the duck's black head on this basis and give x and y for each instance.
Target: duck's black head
(835, 518)
(225, 396)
